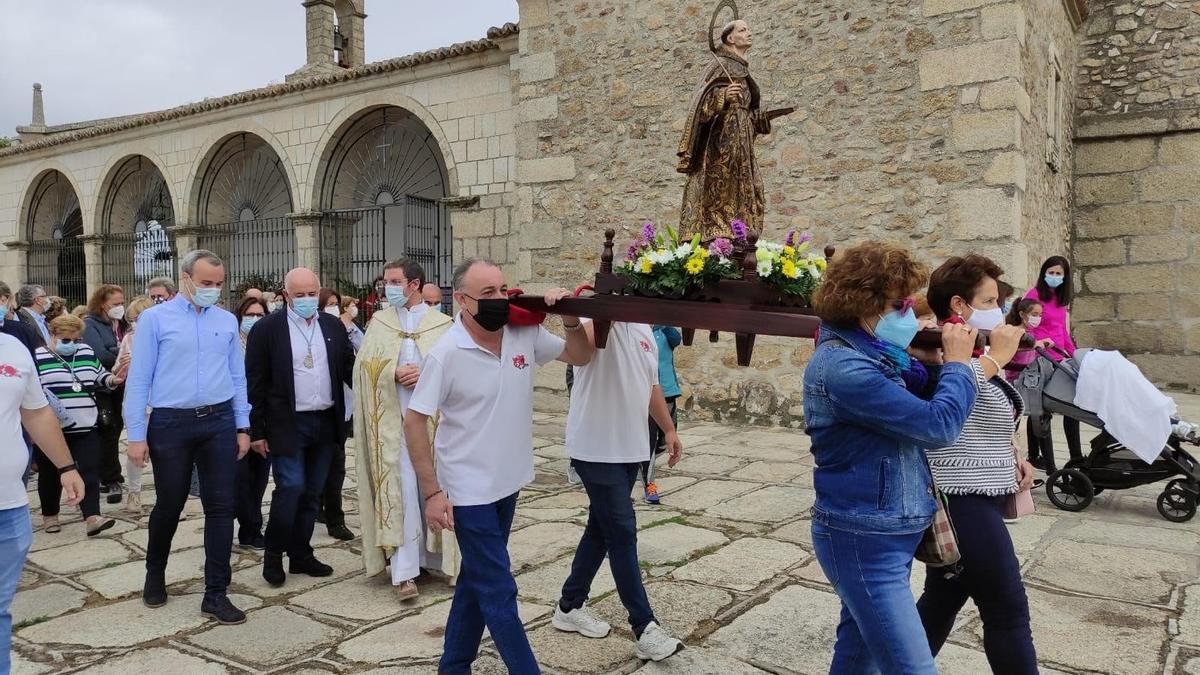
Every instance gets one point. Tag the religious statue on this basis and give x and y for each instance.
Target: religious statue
(717, 150)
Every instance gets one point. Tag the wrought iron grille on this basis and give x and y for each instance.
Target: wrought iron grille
(356, 243)
(256, 252)
(58, 266)
(132, 259)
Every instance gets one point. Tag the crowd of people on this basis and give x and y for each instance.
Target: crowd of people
(440, 409)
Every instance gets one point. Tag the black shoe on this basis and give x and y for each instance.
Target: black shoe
(340, 531)
(273, 569)
(154, 593)
(1038, 463)
(114, 497)
(312, 567)
(222, 610)
(258, 543)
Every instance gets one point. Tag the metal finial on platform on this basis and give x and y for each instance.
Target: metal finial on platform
(606, 258)
(750, 261)
(830, 250)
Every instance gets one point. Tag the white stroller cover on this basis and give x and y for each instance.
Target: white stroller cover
(1133, 410)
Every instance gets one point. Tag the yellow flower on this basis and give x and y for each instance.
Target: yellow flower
(704, 253)
(788, 250)
(645, 265)
(694, 265)
(789, 269)
(820, 262)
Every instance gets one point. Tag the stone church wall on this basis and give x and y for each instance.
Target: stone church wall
(915, 122)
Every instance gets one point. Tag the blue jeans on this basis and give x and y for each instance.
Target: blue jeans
(16, 536)
(880, 630)
(991, 576)
(611, 530)
(179, 440)
(299, 480)
(486, 594)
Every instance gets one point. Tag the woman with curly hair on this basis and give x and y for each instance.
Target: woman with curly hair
(871, 410)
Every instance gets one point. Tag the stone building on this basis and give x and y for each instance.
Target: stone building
(949, 125)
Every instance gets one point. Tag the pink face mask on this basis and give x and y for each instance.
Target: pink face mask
(1034, 321)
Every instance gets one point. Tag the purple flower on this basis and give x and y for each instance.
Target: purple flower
(804, 239)
(648, 232)
(791, 238)
(632, 254)
(721, 247)
(739, 230)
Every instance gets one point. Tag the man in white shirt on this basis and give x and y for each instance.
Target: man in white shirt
(22, 402)
(479, 377)
(606, 442)
(297, 362)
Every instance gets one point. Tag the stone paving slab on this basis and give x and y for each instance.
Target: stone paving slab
(122, 624)
(542, 542)
(674, 542)
(1130, 573)
(699, 661)
(708, 465)
(418, 636)
(544, 584)
(271, 636)
(344, 563)
(73, 532)
(362, 599)
(790, 632)
(708, 493)
(773, 472)
(157, 660)
(45, 602)
(682, 608)
(86, 555)
(121, 580)
(744, 564)
(772, 504)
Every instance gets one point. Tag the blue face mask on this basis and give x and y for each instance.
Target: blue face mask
(66, 348)
(305, 307)
(206, 297)
(248, 323)
(898, 328)
(1053, 282)
(397, 296)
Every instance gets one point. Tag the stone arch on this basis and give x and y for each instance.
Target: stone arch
(52, 222)
(209, 160)
(28, 202)
(134, 191)
(328, 145)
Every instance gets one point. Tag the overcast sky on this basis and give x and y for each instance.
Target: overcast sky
(101, 58)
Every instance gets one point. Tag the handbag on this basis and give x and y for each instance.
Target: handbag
(939, 545)
(1020, 503)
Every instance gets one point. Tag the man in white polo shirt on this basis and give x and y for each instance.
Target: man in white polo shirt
(22, 402)
(479, 378)
(607, 445)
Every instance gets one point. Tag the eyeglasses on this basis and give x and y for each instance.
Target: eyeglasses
(67, 341)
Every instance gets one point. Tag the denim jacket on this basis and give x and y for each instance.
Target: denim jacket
(868, 434)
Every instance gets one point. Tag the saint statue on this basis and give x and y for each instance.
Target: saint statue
(717, 150)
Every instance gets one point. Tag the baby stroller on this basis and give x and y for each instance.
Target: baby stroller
(1048, 386)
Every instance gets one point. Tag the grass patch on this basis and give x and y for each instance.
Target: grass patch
(30, 622)
(678, 520)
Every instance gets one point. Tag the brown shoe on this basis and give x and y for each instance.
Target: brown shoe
(407, 591)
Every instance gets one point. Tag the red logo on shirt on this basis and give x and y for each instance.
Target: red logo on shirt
(8, 371)
(645, 346)
(519, 362)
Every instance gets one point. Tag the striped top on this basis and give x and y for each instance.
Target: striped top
(57, 380)
(982, 461)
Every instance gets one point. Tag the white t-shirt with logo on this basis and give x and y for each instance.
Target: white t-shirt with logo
(484, 441)
(610, 399)
(19, 389)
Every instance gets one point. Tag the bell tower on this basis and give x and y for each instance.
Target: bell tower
(333, 37)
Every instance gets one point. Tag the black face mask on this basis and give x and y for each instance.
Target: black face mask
(492, 314)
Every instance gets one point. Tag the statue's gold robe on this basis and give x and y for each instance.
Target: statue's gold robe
(717, 153)
(379, 440)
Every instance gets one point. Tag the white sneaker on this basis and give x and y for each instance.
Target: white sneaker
(580, 621)
(656, 644)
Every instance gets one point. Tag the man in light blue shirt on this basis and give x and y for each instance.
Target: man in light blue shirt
(187, 365)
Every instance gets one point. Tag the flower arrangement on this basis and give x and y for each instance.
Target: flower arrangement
(790, 266)
(660, 264)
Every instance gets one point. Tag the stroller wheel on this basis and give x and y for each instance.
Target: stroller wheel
(1070, 489)
(1176, 505)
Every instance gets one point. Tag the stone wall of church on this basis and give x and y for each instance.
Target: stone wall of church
(1137, 229)
(1139, 55)
(913, 123)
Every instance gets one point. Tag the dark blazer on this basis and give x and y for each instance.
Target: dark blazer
(100, 336)
(26, 317)
(30, 337)
(271, 387)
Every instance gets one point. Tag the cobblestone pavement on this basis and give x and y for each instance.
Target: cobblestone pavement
(727, 559)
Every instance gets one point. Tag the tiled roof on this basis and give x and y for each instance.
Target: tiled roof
(208, 105)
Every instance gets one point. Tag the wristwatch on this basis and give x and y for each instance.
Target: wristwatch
(244, 430)
(67, 468)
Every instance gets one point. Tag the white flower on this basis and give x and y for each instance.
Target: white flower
(660, 258)
(683, 251)
(764, 268)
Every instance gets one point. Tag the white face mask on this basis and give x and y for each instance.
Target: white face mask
(116, 313)
(1034, 321)
(332, 310)
(45, 305)
(986, 319)
(353, 311)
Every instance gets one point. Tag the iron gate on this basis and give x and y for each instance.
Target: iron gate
(357, 243)
(132, 259)
(257, 253)
(58, 266)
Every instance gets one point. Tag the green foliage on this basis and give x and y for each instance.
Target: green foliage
(662, 265)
